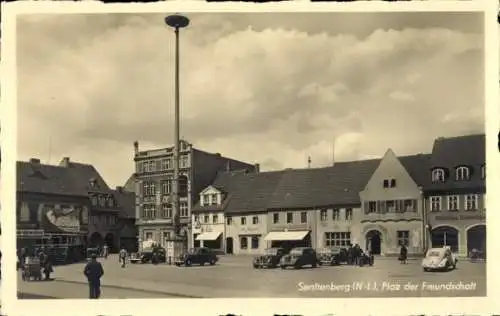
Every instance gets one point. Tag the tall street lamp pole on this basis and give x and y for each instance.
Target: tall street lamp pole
(176, 21)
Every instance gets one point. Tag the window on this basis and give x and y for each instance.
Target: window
(152, 166)
(149, 236)
(196, 218)
(391, 206)
(215, 218)
(145, 166)
(336, 214)
(483, 172)
(403, 237)
(303, 217)
(335, 239)
(255, 242)
(243, 220)
(169, 164)
(438, 175)
(166, 187)
(453, 203)
(372, 207)
(214, 199)
(166, 211)
(148, 188)
(348, 214)
(435, 203)
(184, 161)
(206, 219)
(289, 218)
(389, 183)
(166, 236)
(243, 242)
(462, 174)
(255, 220)
(410, 205)
(184, 209)
(183, 186)
(149, 211)
(206, 199)
(163, 164)
(323, 215)
(229, 220)
(471, 202)
(276, 218)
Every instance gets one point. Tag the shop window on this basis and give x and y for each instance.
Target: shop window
(243, 242)
(255, 242)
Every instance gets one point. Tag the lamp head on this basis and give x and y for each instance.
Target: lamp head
(177, 21)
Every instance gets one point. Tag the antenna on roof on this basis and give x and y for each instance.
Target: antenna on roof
(333, 152)
(309, 162)
(50, 150)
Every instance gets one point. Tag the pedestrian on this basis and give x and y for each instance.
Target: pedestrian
(105, 251)
(123, 257)
(403, 254)
(349, 254)
(47, 269)
(94, 272)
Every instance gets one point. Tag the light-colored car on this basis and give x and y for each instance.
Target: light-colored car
(439, 259)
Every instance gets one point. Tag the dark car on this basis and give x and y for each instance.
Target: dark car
(199, 256)
(270, 259)
(332, 256)
(300, 257)
(146, 255)
(366, 258)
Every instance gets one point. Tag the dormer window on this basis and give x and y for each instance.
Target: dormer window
(206, 200)
(438, 175)
(389, 183)
(213, 199)
(462, 174)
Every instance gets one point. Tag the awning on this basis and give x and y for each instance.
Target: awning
(295, 235)
(208, 236)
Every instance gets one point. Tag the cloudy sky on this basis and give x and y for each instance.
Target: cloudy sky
(267, 88)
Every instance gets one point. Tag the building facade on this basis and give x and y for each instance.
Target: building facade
(208, 220)
(153, 187)
(126, 220)
(393, 206)
(456, 194)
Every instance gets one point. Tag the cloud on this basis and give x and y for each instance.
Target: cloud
(272, 95)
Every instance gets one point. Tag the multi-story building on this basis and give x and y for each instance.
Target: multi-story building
(126, 224)
(393, 206)
(153, 187)
(65, 204)
(456, 192)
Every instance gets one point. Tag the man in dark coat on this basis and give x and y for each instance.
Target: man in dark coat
(94, 271)
(403, 254)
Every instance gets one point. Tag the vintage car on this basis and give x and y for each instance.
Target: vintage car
(366, 258)
(439, 259)
(270, 259)
(146, 255)
(200, 255)
(332, 256)
(300, 257)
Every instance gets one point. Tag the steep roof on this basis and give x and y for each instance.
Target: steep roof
(319, 187)
(417, 167)
(452, 152)
(73, 179)
(126, 202)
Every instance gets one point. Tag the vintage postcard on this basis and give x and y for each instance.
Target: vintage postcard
(209, 159)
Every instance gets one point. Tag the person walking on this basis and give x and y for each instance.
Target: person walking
(94, 272)
(403, 254)
(105, 251)
(123, 257)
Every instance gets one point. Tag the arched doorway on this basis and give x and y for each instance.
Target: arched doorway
(95, 240)
(109, 240)
(374, 242)
(476, 238)
(445, 236)
(229, 245)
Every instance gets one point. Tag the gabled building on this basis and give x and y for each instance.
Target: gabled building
(153, 187)
(65, 204)
(393, 205)
(456, 193)
(126, 220)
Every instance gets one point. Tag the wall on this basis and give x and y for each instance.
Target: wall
(199, 227)
(341, 225)
(235, 230)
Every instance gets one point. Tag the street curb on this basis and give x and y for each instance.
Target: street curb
(134, 289)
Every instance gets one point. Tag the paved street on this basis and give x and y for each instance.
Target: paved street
(234, 277)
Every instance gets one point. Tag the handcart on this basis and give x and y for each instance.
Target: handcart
(32, 269)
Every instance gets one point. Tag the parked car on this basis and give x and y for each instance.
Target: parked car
(332, 256)
(366, 258)
(200, 255)
(146, 255)
(270, 259)
(439, 259)
(300, 257)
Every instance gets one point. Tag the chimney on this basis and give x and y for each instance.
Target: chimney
(65, 162)
(257, 167)
(34, 161)
(309, 162)
(218, 154)
(228, 166)
(119, 189)
(136, 147)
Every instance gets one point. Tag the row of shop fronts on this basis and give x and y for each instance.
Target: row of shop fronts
(381, 238)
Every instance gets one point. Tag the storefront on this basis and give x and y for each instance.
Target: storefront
(289, 239)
